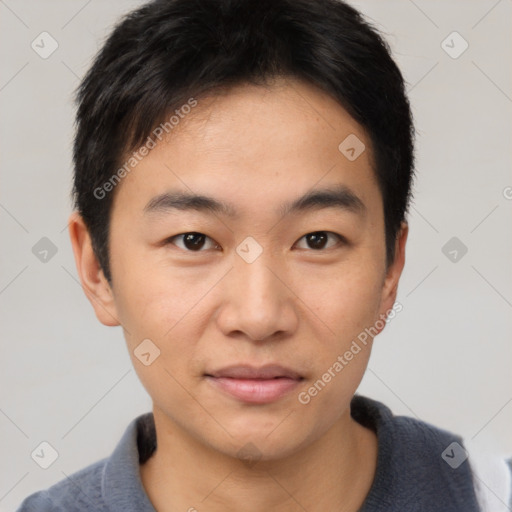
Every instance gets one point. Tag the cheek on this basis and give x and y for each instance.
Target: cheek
(151, 309)
(346, 300)
(153, 299)
(348, 305)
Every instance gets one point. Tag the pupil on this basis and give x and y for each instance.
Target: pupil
(194, 241)
(317, 240)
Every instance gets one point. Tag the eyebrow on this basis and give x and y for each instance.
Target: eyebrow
(340, 197)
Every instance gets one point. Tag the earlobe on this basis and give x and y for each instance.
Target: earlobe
(92, 278)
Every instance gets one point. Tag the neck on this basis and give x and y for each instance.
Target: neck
(333, 473)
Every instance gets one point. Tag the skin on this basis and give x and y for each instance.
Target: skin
(295, 305)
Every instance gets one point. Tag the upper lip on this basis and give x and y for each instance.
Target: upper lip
(245, 371)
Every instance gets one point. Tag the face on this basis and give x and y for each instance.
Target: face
(251, 304)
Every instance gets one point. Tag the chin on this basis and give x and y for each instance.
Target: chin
(259, 442)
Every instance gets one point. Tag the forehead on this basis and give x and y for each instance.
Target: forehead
(287, 113)
(256, 144)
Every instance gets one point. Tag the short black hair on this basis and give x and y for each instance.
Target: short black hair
(166, 52)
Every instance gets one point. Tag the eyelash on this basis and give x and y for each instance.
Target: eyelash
(341, 240)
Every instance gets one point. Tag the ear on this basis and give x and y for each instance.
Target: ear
(393, 273)
(95, 285)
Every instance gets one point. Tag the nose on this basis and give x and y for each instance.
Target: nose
(257, 302)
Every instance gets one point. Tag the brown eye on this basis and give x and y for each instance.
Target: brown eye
(318, 240)
(192, 242)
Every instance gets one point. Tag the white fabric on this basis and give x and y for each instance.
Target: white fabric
(493, 480)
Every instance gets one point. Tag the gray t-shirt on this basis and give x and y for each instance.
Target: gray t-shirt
(419, 468)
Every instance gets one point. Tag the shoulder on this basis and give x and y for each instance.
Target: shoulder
(459, 469)
(110, 483)
(420, 467)
(80, 491)
(465, 465)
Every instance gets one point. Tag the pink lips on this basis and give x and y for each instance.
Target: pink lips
(255, 385)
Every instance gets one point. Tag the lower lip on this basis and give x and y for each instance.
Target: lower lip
(255, 391)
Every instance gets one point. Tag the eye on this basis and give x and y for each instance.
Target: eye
(192, 241)
(318, 240)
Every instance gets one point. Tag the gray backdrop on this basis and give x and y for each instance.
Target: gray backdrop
(446, 358)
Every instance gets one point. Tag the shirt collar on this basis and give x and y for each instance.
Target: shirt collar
(121, 483)
(122, 487)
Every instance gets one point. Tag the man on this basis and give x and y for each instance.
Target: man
(243, 171)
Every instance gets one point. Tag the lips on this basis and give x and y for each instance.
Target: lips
(272, 371)
(255, 385)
